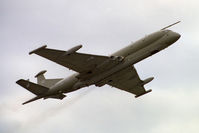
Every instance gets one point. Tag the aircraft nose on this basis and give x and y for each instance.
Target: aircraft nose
(174, 36)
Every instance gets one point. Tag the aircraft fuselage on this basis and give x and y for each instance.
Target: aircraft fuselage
(131, 54)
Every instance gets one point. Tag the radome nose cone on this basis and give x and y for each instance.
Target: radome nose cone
(177, 35)
(174, 36)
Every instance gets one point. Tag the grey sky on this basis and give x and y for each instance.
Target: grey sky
(102, 26)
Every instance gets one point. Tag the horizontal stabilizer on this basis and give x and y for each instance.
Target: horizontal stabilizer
(31, 100)
(40, 73)
(32, 87)
(40, 48)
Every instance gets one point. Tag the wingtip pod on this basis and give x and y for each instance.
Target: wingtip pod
(143, 93)
(33, 51)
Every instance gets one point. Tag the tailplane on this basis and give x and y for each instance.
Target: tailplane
(32, 87)
(31, 100)
(41, 88)
(36, 89)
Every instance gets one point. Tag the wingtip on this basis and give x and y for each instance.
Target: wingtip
(19, 81)
(143, 93)
(80, 45)
(35, 50)
(24, 103)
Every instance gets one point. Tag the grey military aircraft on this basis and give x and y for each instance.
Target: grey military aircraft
(116, 70)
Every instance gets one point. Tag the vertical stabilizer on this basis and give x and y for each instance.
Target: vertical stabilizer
(41, 80)
(40, 77)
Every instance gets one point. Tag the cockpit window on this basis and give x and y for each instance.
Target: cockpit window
(166, 31)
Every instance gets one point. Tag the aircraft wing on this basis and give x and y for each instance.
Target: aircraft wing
(85, 64)
(128, 80)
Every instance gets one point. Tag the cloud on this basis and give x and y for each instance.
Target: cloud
(102, 27)
(110, 110)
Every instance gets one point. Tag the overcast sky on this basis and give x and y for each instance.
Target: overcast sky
(102, 27)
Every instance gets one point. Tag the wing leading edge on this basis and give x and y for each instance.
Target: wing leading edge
(87, 65)
(78, 62)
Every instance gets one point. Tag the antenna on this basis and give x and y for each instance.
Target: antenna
(170, 25)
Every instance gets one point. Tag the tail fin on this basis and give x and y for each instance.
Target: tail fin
(41, 80)
(40, 77)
